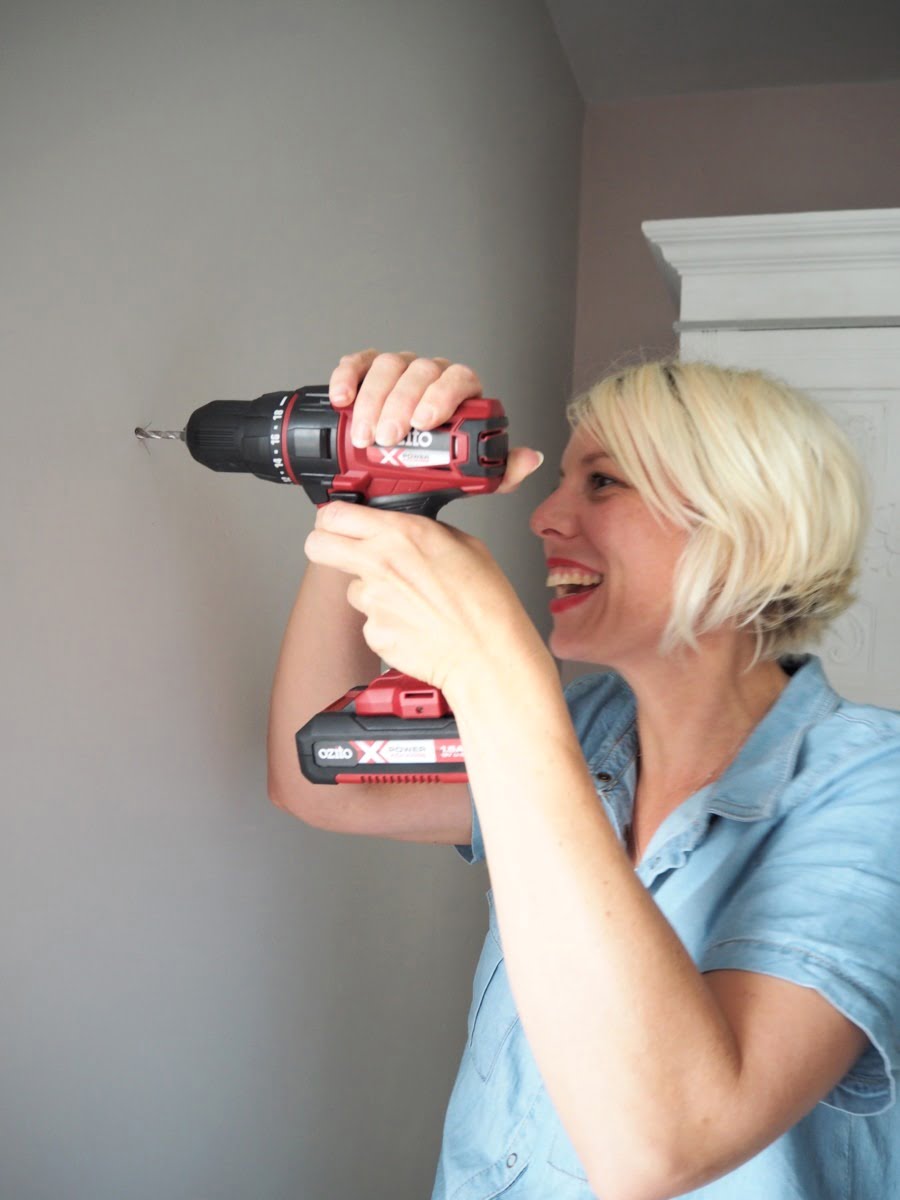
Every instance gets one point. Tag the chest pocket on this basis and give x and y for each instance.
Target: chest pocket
(493, 1015)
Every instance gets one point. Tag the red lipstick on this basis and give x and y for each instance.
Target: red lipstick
(561, 563)
(562, 603)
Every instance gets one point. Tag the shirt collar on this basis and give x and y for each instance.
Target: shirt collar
(751, 785)
(614, 737)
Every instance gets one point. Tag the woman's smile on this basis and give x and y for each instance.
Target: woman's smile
(573, 581)
(561, 604)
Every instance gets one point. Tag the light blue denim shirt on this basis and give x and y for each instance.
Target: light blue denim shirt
(789, 865)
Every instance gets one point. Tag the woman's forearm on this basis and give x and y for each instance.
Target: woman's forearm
(636, 1053)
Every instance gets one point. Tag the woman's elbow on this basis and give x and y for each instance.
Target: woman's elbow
(289, 798)
(643, 1173)
(650, 1175)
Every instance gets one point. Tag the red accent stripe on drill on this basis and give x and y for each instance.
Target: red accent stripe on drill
(425, 777)
(284, 429)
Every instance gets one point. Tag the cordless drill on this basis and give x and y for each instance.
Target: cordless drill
(395, 729)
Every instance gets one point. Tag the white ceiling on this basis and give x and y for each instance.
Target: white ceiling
(620, 49)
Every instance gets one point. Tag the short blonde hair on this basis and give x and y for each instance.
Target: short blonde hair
(765, 482)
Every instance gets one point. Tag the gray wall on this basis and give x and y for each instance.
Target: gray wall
(202, 999)
(713, 155)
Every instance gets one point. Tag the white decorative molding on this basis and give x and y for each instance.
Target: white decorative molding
(818, 268)
(811, 358)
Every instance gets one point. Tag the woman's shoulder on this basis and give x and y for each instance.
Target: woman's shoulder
(858, 731)
(824, 733)
(868, 720)
(851, 758)
(812, 692)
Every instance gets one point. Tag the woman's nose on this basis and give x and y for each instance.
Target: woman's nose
(550, 518)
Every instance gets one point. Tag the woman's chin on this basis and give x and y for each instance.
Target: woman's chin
(569, 649)
(580, 646)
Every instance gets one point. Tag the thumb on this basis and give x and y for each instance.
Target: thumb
(520, 463)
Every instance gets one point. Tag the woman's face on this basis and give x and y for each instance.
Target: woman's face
(596, 522)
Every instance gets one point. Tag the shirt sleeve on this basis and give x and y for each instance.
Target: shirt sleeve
(820, 907)
(474, 851)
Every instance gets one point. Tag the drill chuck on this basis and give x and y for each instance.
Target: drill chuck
(286, 437)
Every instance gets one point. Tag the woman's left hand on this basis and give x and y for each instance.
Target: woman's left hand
(436, 603)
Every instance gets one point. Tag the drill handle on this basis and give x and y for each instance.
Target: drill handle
(424, 504)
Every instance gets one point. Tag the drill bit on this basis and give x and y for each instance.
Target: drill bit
(156, 435)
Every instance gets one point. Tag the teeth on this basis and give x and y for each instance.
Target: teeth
(560, 578)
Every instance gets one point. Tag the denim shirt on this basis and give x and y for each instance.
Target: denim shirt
(788, 865)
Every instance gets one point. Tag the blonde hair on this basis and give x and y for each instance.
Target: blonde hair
(772, 496)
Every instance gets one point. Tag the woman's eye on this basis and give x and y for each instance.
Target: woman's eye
(598, 482)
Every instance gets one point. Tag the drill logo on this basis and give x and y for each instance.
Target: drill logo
(333, 752)
(395, 751)
(370, 752)
(420, 448)
(418, 437)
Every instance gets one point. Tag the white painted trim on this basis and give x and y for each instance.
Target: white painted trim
(810, 266)
(818, 359)
(791, 323)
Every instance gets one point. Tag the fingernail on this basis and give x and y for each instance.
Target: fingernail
(423, 416)
(340, 395)
(361, 437)
(540, 459)
(388, 434)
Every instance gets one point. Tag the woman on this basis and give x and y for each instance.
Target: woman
(693, 852)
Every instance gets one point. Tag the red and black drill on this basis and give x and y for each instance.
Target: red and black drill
(395, 729)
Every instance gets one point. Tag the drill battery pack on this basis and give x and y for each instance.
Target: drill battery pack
(393, 730)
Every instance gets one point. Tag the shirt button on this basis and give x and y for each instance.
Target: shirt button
(604, 777)
(512, 1160)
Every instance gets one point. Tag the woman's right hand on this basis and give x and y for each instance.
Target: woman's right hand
(393, 393)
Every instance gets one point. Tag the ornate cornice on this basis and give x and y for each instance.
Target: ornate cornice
(810, 267)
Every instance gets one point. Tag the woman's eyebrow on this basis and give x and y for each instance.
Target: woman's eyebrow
(589, 459)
